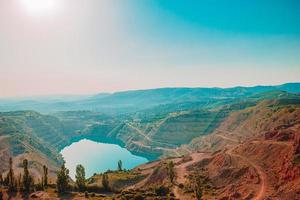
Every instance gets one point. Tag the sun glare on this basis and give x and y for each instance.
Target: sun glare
(40, 7)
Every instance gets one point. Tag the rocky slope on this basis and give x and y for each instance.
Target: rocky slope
(253, 154)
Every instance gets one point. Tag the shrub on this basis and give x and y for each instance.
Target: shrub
(105, 182)
(162, 191)
(138, 197)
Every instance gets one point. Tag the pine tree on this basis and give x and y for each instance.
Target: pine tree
(171, 173)
(27, 179)
(105, 181)
(45, 176)
(120, 165)
(11, 177)
(80, 178)
(62, 181)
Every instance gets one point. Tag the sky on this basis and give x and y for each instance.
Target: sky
(91, 46)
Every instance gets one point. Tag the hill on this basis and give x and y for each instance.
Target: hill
(246, 147)
(136, 100)
(253, 154)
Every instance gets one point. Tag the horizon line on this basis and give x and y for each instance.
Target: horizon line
(81, 95)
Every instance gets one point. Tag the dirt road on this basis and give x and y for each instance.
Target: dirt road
(181, 171)
(262, 176)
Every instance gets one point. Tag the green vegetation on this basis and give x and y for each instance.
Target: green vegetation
(27, 179)
(120, 165)
(11, 182)
(105, 182)
(80, 178)
(159, 192)
(45, 176)
(118, 180)
(171, 172)
(62, 182)
(21, 183)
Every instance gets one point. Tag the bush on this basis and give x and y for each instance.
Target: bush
(94, 188)
(138, 197)
(162, 191)
(291, 110)
(39, 187)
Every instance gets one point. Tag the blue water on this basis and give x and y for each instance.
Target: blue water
(98, 157)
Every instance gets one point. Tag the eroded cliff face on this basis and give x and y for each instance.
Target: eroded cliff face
(291, 169)
(253, 154)
(266, 137)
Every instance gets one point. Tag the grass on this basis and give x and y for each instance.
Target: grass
(118, 180)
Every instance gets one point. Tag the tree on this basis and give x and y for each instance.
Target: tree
(120, 165)
(11, 177)
(105, 181)
(45, 176)
(62, 181)
(27, 179)
(40, 185)
(80, 178)
(171, 173)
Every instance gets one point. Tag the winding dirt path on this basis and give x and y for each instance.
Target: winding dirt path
(140, 144)
(227, 138)
(262, 176)
(281, 143)
(146, 170)
(140, 132)
(181, 171)
(161, 122)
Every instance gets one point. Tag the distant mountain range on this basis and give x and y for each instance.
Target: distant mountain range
(132, 101)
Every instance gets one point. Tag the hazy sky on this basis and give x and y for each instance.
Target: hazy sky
(91, 46)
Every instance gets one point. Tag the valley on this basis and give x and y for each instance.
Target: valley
(239, 143)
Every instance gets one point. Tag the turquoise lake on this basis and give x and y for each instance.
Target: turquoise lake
(98, 157)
